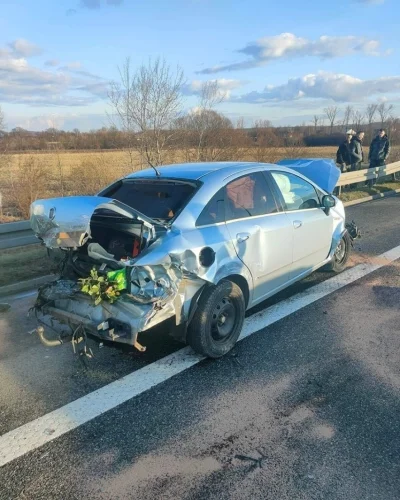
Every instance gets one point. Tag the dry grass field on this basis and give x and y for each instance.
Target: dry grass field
(25, 177)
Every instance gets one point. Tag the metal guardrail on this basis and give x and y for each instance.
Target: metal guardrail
(18, 234)
(368, 174)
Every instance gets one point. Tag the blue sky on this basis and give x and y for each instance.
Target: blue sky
(284, 60)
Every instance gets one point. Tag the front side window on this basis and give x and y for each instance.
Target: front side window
(249, 196)
(297, 193)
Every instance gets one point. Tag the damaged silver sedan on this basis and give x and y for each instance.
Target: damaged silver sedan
(194, 244)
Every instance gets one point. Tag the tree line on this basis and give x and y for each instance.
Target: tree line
(148, 118)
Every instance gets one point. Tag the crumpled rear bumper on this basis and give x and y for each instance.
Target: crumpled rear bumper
(120, 322)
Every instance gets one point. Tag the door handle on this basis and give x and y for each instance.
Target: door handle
(241, 237)
(297, 224)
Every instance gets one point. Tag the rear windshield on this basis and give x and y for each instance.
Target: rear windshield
(161, 200)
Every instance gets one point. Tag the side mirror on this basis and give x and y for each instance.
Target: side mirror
(328, 202)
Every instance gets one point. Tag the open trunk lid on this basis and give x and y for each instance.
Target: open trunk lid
(322, 171)
(65, 222)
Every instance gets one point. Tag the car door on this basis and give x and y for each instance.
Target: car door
(261, 232)
(313, 228)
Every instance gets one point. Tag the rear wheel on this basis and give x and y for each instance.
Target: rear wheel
(341, 255)
(218, 320)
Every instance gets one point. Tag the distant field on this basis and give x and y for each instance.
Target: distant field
(25, 177)
(122, 161)
(71, 160)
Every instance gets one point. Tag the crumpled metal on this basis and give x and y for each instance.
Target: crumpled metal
(157, 283)
(65, 222)
(61, 289)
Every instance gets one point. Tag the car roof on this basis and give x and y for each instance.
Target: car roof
(195, 171)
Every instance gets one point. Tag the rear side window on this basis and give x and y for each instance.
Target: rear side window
(214, 211)
(297, 193)
(249, 196)
(156, 199)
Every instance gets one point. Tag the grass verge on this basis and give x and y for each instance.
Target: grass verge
(363, 192)
(24, 263)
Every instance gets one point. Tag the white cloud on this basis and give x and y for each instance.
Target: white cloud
(52, 63)
(71, 66)
(76, 68)
(372, 2)
(225, 86)
(96, 4)
(323, 85)
(93, 5)
(67, 121)
(289, 46)
(21, 82)
(99, 89)
(23, 48)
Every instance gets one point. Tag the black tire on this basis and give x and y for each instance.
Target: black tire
(218, 320)
(341, 256)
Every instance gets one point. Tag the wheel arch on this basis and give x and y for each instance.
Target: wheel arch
(242, 283)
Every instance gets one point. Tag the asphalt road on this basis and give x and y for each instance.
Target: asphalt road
(306, 408)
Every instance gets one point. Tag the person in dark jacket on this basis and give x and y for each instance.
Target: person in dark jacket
(343, 155)
(357, 153)
(378, 152)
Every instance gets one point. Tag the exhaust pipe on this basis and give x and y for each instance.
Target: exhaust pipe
(50, 343)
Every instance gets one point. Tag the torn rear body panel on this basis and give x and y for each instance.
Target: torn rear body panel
(105, 235)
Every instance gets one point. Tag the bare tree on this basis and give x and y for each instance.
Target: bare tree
(316, 120)
(120, 100)
(147, 102)
(358, 119)
(210, 96)
(331, 113)
(27, 181)
(370, 113)
(56, 146)
(203, 126)
(384, 112)
(206, 135)
(348, 113)
(262, 124)
(392, 124)
(3, 149)
(2, 121)
(240, 123)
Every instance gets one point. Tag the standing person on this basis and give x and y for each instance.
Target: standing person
(357, 153)
(378, 152)
(343, 155)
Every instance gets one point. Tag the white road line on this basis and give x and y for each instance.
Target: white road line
(32, 435)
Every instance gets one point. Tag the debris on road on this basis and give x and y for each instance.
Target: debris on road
(257, 462)
(4, 307)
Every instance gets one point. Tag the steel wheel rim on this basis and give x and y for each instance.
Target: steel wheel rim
(223, 320)
(340, 252)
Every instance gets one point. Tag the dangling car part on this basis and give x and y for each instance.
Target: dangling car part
(199, 244)
(353, 230)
